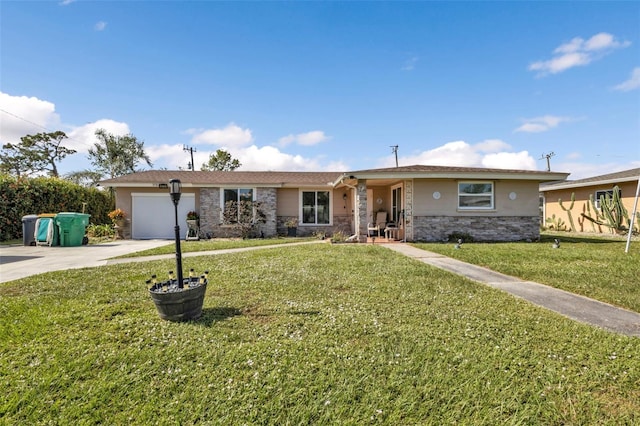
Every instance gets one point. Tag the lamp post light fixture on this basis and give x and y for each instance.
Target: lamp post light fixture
(175, 189)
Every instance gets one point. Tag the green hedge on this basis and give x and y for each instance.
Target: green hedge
(20, 197)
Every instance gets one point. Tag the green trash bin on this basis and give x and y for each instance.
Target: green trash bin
(71, 228)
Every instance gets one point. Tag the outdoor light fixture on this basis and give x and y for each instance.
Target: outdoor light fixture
(175, 189)
(344, 196)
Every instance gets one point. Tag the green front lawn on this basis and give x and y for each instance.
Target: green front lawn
(323, 334)
(593, 267)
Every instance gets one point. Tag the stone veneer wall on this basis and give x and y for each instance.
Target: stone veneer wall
(269, 199)
(209, 210)
(481, 228)
(210, 213)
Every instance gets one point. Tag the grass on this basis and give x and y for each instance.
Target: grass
(215, 244)
(324, 334)
(595, 267)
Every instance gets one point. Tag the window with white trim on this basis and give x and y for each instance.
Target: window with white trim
(239, 202)
(316, 207)
(475, 195)
(608, 194)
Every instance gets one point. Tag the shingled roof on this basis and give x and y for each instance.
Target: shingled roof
(443, 172)
(217, 178)
(608, 179)
(153, 178)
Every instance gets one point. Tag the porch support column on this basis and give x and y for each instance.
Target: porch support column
(360, 212)
(408, 210)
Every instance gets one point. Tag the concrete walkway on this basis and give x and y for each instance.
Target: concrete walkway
(571, 305)
(19, 261)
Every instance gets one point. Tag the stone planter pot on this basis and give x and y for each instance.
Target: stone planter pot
(177, 304)
(119, 225)
(193, 230)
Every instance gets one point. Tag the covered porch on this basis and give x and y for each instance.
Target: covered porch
(381, 211)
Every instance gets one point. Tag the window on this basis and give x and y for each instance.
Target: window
(396, 205)
(316, 207)
(606, 194)
(475, 195)
(238, 205)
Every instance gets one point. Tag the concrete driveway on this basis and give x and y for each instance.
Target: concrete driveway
(23, 261)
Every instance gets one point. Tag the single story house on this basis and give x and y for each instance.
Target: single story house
(424, 203)
(559, 210)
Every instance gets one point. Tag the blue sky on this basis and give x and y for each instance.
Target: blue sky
(331, 85)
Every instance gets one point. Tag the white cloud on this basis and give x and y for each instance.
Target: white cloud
(587, 170)
(578, 52)
(410, 64)
(306, 139)
(511, 160)
(462, 154)
(83, 137)
(251, 157)
(542, 124)
(22, 115)
(229, 137)
(66, 2)
(632, 83)
(100, 26)
(492, 145)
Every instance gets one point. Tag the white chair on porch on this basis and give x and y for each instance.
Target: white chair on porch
(379, 225)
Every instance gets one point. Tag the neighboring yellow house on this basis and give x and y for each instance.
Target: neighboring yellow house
(561, 215)
(416, 203)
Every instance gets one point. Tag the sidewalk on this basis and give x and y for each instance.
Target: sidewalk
(571, 305)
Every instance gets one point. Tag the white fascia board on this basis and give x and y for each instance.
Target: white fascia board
(466, 176)
(238, 185)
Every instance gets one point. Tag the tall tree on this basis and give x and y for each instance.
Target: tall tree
(35, 153)
(115, 156)
(86, 178)
(222, 161)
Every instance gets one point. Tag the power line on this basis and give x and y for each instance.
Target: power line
(24, 119)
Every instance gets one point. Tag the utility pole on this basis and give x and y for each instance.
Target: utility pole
(394, 149)
(548, 157)
(191, 150)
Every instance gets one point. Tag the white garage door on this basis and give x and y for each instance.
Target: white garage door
(153, 216)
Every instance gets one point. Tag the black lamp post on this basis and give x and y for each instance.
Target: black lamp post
(175, 189)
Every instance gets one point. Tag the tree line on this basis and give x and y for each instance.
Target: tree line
(111, 156)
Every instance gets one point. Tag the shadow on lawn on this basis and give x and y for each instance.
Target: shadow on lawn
(572, 238)
(212, 315)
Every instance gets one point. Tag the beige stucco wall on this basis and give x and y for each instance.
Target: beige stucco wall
(424, 203)
(287, 202)
(552, 207)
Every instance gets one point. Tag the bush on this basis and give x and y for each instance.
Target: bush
(100, 231)
(23, 196)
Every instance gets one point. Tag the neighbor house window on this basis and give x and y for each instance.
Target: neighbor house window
(475, 195)
(237, 205)
(605, 194)
(316, 207)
